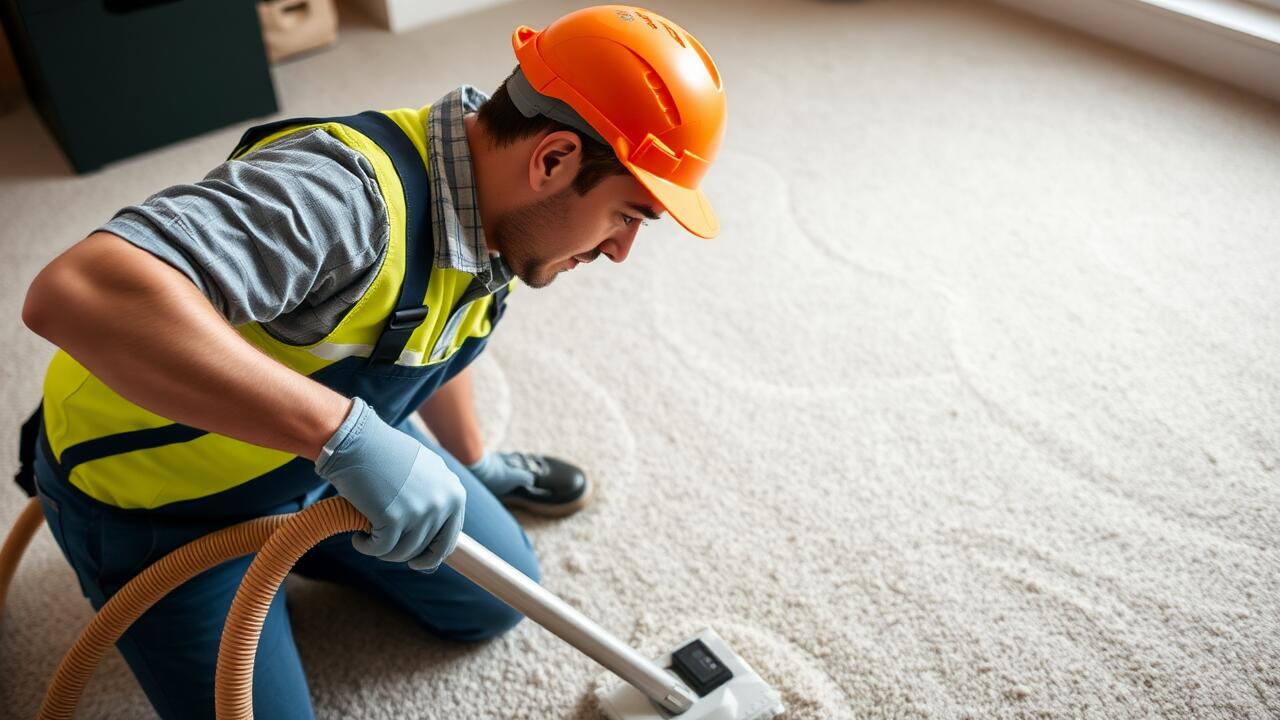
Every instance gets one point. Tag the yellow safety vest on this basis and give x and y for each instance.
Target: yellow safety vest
(394, 347)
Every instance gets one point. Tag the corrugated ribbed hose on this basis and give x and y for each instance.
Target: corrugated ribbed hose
(137, 596)
(279, 540)
(233, 682)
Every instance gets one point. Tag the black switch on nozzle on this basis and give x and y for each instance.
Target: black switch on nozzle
(700, 668)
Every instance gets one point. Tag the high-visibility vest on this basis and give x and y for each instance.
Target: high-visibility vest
(411, 330)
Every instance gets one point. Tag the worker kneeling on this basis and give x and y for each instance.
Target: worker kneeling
(252, 343)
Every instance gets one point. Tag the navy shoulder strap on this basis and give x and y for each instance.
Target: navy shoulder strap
(411, 168)
(408, 315)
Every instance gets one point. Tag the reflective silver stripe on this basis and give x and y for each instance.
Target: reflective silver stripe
(411, 358)
(338, 351)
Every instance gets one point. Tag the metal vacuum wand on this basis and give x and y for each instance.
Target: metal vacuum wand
(538, 604)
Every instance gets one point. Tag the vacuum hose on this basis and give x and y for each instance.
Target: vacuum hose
(233, 681)
(279, 540)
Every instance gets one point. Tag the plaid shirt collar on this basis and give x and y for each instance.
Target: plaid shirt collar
(455, 210)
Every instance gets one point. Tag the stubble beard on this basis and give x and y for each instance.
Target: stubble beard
(519, 232)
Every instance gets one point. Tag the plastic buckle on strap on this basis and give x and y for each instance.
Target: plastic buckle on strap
(400, 327)
(408, 319)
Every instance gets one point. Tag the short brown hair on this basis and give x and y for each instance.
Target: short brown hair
(506, 124)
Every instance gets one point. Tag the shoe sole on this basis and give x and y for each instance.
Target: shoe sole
(559, 510)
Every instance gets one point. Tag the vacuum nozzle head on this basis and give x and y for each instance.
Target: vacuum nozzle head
(726, 686)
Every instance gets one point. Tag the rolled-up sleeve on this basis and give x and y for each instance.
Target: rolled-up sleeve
(296, 222)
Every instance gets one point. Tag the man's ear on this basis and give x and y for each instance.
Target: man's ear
(555, 161)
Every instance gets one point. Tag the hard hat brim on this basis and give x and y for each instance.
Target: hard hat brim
(689, 207)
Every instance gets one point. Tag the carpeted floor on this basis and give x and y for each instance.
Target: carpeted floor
(971, 412)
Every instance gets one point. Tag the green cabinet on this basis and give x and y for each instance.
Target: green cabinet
(113, 78)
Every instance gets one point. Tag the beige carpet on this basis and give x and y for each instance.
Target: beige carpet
(972, 412)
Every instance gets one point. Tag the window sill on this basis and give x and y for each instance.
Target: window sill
(1231, 40)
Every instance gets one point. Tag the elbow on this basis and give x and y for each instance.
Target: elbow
(86, 287)
(63, 292)
(50, 298)
(39, 308)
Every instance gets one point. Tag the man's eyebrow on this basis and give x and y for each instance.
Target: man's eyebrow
(644, 210)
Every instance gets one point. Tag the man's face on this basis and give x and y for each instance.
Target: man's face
(547, 237)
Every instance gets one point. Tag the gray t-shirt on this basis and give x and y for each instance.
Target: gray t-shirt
(290, 235)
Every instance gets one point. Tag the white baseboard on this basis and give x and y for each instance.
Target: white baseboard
(1232, 41)
(401, 15)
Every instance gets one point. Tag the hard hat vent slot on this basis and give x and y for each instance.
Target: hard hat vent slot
(663, 95)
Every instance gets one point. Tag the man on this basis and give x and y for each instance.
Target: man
(255, 342)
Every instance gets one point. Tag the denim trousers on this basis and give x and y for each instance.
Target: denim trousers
(173, 648)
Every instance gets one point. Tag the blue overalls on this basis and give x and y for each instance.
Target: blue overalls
(172, 649)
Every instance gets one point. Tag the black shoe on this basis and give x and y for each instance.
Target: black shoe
(559, 488)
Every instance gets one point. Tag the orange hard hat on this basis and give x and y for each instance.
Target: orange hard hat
(646, 87)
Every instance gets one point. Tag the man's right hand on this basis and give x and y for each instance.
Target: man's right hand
(413, 501)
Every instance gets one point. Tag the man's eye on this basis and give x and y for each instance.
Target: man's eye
(628, 219)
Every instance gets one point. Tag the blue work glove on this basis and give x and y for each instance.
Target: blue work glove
(414, 503)
(502, 472)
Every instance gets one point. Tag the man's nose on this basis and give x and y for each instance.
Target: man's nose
(618, 247)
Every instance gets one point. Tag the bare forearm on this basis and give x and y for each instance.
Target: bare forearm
(450, 414)
(149, 334)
